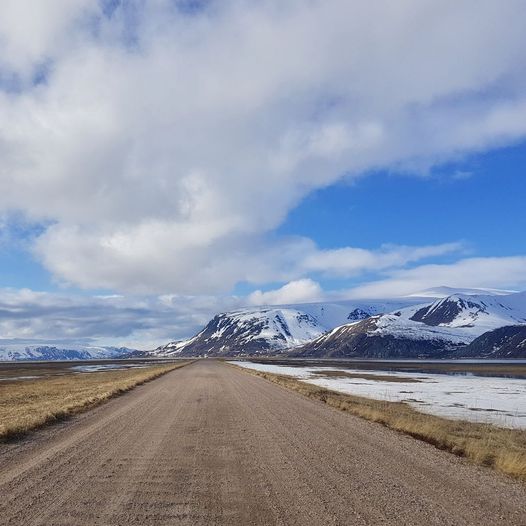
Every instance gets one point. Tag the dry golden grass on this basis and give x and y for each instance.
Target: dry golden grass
(30, 404)
(500, 448)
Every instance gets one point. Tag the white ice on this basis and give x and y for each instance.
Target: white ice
(500, 401)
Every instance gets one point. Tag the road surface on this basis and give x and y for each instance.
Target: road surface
(210, 444)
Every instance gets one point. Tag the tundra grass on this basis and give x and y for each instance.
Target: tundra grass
(26, 405)
(485, 444)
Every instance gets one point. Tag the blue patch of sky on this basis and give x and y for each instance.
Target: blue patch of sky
(10, 82)
(192, 7)
(129, 14)
(109, 7)
(479, 200)
(41, 73)
(18, 267)
(13, 82)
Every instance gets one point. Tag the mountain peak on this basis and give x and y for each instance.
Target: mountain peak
(470, 311)
(249, 332)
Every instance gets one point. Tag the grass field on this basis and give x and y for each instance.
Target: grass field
(29, 404)
(485, 444)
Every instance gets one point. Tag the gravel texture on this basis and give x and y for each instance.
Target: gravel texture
(210, 444)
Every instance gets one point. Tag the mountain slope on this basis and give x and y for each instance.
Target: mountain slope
(384, 336)
(434, 330)
(248, 332)
(476, 313)
(504, 342)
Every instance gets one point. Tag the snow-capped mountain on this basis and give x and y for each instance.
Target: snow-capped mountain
(266, 330)
(401, 327)
(504, 342)
(433, 330)
(248, 332)
(384, 336)
(172, 348)
(474, 313)
(336, 313)
(15, 352)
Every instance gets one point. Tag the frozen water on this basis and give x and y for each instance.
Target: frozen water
(500, 401)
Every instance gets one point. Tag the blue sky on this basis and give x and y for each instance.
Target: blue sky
(178, 158)
(480, 200)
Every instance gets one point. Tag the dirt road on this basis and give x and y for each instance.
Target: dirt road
(209, 444)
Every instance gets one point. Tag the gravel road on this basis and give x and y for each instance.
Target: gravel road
(210, 444)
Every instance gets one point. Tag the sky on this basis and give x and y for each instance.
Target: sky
(163, 161)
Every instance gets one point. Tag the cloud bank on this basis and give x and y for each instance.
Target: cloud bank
(159, 145)
(147, 321)
(138, 322)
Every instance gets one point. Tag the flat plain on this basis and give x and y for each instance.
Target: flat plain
(35, 395)
(211, 444)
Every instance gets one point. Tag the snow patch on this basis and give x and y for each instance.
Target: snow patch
(500, 401)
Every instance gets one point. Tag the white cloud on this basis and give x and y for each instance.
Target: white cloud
(299, 291)
(491, 272)
(352, 261)
(164, 148)
(121, 259)
(33, 32)
(135, 321)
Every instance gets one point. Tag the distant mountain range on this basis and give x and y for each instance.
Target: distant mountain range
(51, 352)
(410, 327)
(437, 323)
(270, 330)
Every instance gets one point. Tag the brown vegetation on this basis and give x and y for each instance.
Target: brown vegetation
(485, 444)
(517, 370)
(29, 404)
(365, 376)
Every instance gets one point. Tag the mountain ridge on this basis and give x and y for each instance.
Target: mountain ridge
(436, 330)
(323, 316)
(249, 331)
(418, 329)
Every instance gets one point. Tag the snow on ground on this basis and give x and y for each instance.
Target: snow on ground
(108, 367)
(500, 401)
